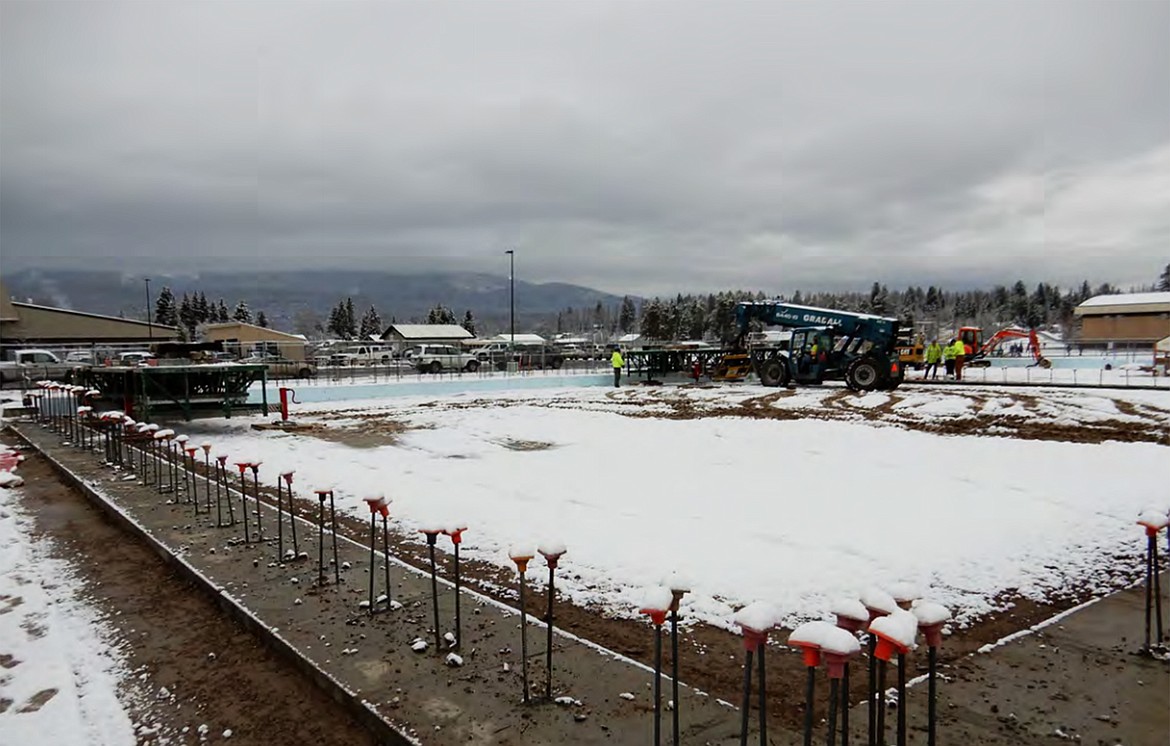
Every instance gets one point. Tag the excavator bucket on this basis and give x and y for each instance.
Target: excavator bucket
(732, 367)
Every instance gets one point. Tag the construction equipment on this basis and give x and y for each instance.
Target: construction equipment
(980, 358)
(826, 344)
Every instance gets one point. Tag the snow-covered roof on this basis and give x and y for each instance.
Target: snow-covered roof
(1125, 303)
(227, 325)
(521, 338)
(626, 338)
(429, 331)
(1163, 345)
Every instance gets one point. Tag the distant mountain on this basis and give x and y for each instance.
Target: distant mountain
(291, 299)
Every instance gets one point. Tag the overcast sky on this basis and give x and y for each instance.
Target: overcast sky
(643, 147)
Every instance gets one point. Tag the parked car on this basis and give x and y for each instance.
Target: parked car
(362, 355)
(437, 358)
(282, 367)
(35, 365)
(134, 357)
(534, 356)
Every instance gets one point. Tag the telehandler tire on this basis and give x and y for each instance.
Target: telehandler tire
(773, 372)
(863, 374)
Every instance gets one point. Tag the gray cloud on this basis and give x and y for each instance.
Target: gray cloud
(645, 147)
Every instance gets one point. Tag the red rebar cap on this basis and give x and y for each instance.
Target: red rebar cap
(1153, 521)
(323, 493)
(456, 533)
(756, 620)
(222, 459)
(850, 624)
(895, 634)
(206, 447)
(375, 504)
(836, 663)
(287, 475)
(933, 633)
(191, 450)
(242, 466)
(552, 551)
(658, 616)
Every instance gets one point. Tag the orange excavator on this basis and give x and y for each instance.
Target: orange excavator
(972, 337)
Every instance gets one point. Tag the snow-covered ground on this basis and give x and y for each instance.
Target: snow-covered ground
(792, 511)
(59, 674)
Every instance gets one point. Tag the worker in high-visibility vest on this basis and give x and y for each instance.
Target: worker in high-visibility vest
(618, 364)
(934, 353)
(962, 352)
(949, 358)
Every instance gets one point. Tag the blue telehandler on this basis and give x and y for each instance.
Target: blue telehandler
(859, 348)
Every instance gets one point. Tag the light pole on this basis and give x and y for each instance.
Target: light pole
(149, 323)
(512, 303)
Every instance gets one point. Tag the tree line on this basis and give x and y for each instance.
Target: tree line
(931, 310)
(194, 310)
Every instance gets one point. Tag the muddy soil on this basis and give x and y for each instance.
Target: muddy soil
(711, 658)
(215, 672)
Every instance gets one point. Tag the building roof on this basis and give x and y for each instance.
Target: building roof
(17, 305)
(242, 324)
(429, 331)
(527, 339)
(1125, 303)
(626, 338)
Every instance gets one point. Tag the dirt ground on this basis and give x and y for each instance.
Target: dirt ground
(215, 672)
(711, 658)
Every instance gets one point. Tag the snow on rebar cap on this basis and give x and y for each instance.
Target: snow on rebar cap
(84, 410)
(839, 642)
(431, 528)
(904, 592)
(159, 434)
(928, 612)
(520, 552)
(810, 634)
(678, 582)
(142, 427)
(93, 392)
(181, 438)
(898, 626)
(656, 598)
(152, 427)
(552, 548)
(850, 608)
(758, 616)
(878, 600)
(1153, 519)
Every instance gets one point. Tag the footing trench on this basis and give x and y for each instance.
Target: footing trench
(366, 662)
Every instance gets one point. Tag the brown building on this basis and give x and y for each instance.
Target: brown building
(1127, 320)
(31, 324)
(249, 338)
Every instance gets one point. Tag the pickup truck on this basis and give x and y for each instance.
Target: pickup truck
(35, 365)
(364, 355)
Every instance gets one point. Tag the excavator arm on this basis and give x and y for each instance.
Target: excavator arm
(1033, 344)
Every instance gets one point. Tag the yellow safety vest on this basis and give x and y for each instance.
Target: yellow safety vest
(617, 360)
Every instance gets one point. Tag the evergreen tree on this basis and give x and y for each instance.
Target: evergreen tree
(261, 320)
(351, 326)
(653, 319)
(1164, 279)
(242, 313)
(371, 324)
(336, 325)
(627, 316)
(469, 322)
(440, 314)
(221, 313)
(202, 310)
(187, 317)
(165, 312)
